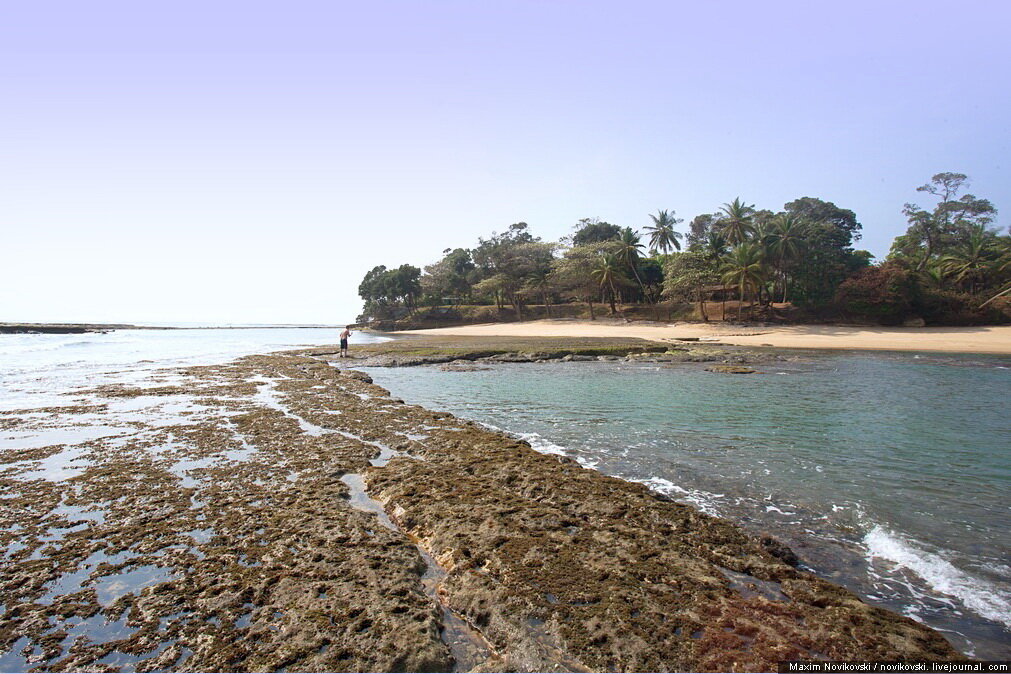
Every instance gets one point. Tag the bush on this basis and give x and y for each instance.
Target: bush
(946, 307)
(886, 293)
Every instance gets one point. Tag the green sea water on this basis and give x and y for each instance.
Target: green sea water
(887, 473)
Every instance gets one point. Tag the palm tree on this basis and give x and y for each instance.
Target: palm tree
(629, 252)
(737, 223)
(662, 235)
(715, 248)
(540, 281)
(1003, 262)
(970, 260)
(1001, 265)
(934, 274)
(743, 267)
(786, 239)
(607, 272)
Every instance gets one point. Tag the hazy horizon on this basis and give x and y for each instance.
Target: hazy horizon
(241, 163)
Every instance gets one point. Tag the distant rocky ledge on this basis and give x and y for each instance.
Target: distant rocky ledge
(461, 353)
(62, 328)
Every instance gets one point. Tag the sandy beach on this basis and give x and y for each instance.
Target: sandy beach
(990, 339)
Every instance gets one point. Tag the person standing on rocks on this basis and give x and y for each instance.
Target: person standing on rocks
(344, 341)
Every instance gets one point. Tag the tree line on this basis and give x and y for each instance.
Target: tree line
(951, 265)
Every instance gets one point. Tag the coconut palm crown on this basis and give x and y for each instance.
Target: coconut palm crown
(737, 221)
(662, 236)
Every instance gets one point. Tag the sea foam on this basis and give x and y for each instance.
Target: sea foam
(981, 597)
(703, 500)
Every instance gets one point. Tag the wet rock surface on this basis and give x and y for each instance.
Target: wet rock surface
(455, 354)
(278, 513)
(731, 369)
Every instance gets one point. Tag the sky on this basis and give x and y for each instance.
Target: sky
(248, 162)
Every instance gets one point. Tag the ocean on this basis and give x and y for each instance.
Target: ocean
(887, 473)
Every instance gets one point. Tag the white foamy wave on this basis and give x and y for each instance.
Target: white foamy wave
(941, 575)
(775, 509)
(703, 500)
(542, 445)
(545, 446)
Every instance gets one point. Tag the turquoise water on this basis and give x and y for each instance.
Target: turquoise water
(887, 473)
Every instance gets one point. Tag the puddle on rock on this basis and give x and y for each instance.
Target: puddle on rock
(57, 467)
(182, 470)
(466, 644)
(750, 587)
(127, 662)
(267, 395)
(96, 629)
(115, 585)
(15, 659)
(64, 435)
(75, 581)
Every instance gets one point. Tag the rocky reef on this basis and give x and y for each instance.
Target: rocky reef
(280, 513)
(475, 351)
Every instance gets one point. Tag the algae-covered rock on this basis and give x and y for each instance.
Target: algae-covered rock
(357, 374)
(731, 369)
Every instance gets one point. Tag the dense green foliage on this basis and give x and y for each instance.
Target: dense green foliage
(950, 266)
(383, 288)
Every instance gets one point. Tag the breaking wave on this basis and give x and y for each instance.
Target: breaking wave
(703, 500)
(981, 597)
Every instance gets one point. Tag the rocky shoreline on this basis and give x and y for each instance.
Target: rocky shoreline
(277, 513)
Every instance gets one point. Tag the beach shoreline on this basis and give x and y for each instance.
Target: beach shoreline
(982, 340)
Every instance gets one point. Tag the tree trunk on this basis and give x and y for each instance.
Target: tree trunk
(547, 307)
(589, 300)
(927, 253)
(638, 280)
(702, 305)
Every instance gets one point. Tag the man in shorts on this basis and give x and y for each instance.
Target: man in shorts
(344, 341)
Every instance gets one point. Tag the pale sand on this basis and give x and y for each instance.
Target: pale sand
(953, 340)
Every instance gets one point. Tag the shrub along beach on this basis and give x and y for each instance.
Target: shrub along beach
(951, 267)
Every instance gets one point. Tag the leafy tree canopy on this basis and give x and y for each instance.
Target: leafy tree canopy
(813, 210)
(933, 234)
(592, 230)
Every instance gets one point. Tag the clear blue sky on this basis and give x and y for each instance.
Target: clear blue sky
(249, 162)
